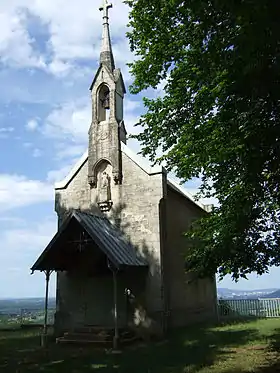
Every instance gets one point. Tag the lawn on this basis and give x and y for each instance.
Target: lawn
(238, 347)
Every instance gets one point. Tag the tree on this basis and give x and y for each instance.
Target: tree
(218, 119)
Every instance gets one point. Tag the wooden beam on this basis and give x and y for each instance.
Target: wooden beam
(45, 330)
(116, 333)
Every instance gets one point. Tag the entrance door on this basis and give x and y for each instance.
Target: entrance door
(99, 306)
(99, 302)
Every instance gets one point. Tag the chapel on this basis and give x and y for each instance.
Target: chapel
(121, 227)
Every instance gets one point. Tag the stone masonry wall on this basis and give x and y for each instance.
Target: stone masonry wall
(76, 195)
(188, 301)
(135, 210)
(140, 195)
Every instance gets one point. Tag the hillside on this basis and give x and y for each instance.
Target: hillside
(14, 306)
(226, 293)
(275, 294)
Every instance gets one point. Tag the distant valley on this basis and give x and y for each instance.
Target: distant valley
(14, 306)
(224, 293)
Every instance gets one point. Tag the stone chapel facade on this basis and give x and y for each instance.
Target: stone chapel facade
(143, 204)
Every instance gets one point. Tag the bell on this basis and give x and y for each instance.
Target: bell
(107, 103)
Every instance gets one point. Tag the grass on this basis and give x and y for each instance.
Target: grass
(252, 346)
(7, 322)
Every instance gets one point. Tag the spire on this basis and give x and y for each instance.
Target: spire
(106, 55)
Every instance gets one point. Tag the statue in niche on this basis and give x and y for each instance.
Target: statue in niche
(105, 187)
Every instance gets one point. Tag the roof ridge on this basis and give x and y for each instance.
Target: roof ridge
(94, 215)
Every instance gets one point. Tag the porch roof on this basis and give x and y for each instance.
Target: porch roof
(107, 237)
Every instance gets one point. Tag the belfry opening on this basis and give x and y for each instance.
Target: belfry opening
(103, 103)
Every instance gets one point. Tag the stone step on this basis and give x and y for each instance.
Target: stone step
(101, 334)
(95, 335)
(99, 331)
(129, 340)
(63, 340)
(98, 343)
(88, 336)
(92, 329)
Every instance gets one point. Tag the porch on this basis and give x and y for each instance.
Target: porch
(95, 266)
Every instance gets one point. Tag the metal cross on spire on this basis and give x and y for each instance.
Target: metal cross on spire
(106, 55)
(105, 7)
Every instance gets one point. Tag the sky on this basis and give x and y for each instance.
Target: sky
(49, 54)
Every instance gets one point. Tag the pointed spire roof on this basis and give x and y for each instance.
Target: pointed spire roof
(106, 54)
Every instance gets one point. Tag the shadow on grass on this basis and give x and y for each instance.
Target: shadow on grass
(275, 339)
(194, 348)
(224, 321)
(273, 354)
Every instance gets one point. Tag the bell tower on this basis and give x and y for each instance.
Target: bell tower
(107, 129)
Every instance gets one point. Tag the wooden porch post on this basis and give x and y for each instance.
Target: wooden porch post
(45, 330)
(116, 334)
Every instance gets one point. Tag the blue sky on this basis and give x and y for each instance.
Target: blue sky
(48, 57)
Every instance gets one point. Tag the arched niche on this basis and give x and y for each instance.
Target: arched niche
(103, 165)
(104, 173)
(103, 103)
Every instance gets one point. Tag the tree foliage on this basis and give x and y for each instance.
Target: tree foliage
(218, 119)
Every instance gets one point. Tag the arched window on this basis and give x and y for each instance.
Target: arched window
(103, 103)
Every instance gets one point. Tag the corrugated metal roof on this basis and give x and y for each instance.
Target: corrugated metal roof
(107, 237)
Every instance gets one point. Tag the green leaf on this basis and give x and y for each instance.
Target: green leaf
(219, 118)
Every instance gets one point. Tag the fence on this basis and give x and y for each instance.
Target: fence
(25, 317)
(227, 308)
(266, 308)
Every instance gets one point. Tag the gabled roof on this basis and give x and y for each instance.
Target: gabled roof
(153, 170)
(116, 75)
(144, 165)
(101, 66)
(105, 235)
(73, 172)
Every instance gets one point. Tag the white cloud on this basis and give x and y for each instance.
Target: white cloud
(66, 151)
(60, 68)
(74, 33)
(60, 173)
(72, 120)
(6, 129)
(18, 191)
(24, 243)
(5, 132)
(16, 45)
(32, 125)
(77, 41)
(32, 237)
(69, 121)
(37, 153)
(69, 124)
